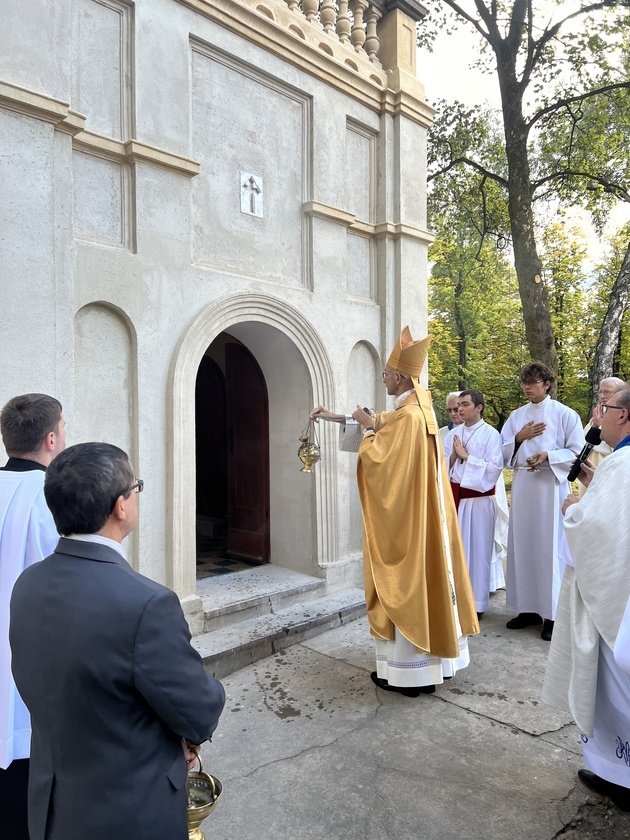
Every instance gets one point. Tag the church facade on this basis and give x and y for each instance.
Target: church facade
(213, 219)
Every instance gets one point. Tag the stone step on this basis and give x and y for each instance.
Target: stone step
(231, 648)
(251, 593)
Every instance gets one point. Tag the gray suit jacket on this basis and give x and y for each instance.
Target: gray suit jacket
(103, 661)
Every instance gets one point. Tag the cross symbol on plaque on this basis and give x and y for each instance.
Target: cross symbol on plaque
(251, 187)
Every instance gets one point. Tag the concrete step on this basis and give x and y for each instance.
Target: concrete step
(251, 593)
(231, 648)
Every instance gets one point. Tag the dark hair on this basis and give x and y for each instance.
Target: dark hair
(83, 483)
(475, 396)
(534, 371)
(26, 420)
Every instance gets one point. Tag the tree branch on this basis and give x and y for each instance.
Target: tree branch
(614, 189)
(581, 97)
(473, 165)
(463, 14)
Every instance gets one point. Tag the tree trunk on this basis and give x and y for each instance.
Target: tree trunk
(611, 328)
(462, 361)
(533, 294)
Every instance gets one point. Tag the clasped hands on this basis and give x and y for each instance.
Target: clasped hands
(459, 448)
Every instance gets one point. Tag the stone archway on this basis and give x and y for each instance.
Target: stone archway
(271, 329)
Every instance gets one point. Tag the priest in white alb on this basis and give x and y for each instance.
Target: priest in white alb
(588, 671)
(540, 442)
(475, 462)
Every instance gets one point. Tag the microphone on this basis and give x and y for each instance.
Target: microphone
(593, 437)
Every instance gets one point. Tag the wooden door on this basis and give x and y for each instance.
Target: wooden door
(247, 456)
(210, 437)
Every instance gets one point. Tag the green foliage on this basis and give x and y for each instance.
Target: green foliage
(481, 287)
(564, 77)
(474, 305)
(563, 254)
(604, 278)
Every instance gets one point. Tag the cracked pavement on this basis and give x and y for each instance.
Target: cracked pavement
(309, 749)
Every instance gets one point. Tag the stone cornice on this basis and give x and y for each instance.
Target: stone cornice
(287, 34)
(64, 119)
(412, 8)
(390, 230)
(133, 151)
(41, 107)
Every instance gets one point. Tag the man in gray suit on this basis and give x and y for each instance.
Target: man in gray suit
(118, 697)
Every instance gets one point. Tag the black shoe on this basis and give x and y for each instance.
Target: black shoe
(523, 620)
(547, 631)
(619, 795)
(479, 616)
(416, 691)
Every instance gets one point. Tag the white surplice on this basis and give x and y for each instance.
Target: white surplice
(27, 534)
(497, 575)
(588, 671)
(537, 547)
(477, 516)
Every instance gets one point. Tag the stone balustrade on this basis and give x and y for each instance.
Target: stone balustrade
(351, 22)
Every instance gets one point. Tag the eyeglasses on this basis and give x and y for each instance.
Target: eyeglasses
(605, 408)
(138, 487)
(608, 393)
(385, 375)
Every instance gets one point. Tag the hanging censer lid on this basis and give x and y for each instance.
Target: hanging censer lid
(308, 453)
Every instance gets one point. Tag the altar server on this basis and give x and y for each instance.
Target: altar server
(33, 433)
(540, 442)
(475, 460)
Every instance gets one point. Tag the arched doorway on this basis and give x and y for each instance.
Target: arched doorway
(297, 373)
(232, 459)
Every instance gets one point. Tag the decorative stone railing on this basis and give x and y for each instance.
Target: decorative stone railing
(352, 22)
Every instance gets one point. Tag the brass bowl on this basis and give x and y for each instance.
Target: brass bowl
(204, 791)
(308, 453)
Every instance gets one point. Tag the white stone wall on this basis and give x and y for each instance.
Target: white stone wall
(120, 265)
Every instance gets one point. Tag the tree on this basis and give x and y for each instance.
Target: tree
(527, 51)
(563, 253)
(475, 321)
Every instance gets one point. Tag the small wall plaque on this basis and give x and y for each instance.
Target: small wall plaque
(251, 194)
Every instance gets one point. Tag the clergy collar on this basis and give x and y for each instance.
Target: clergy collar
(474, 425)
(399, 400)
(541, 403)
(22, 465)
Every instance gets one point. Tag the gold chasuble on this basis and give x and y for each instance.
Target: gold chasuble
(411, 534)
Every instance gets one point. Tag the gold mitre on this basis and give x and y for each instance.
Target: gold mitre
(409, 356)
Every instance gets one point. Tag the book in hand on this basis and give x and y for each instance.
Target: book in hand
(350, 436)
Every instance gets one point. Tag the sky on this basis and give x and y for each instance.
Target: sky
(446, 74)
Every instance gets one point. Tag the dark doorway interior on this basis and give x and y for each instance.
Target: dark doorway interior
(232, 449)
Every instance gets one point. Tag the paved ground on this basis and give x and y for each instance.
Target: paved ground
(309, 749)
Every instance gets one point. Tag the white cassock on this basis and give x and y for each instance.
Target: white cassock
(537, 547)
(588, 671)
(27, 534)
(477, 516)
